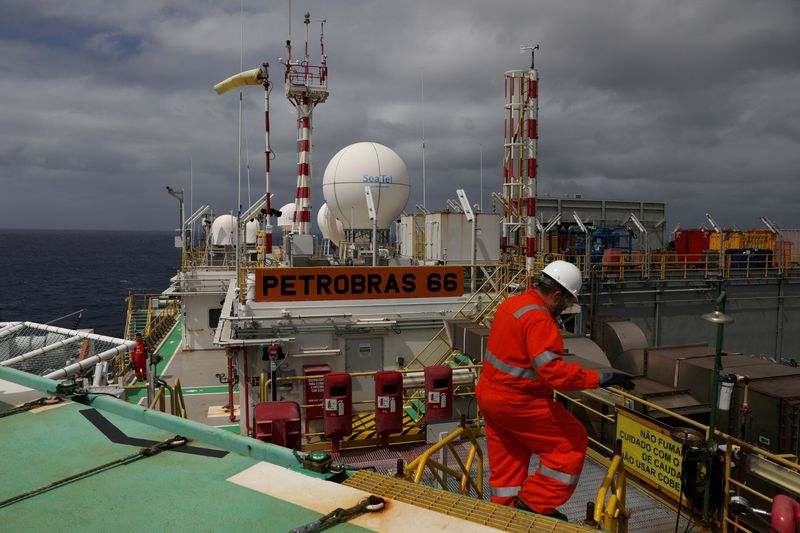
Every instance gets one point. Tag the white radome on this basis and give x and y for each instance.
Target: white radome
(222, 230)
(330, 226)
(366, 164)
(287, 214)
(251, 232)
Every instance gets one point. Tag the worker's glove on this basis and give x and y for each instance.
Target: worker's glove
(617, 379)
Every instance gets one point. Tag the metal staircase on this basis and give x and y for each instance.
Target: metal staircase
(479, 309)
(137, 322)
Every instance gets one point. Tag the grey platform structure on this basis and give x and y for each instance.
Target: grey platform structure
(601, 212)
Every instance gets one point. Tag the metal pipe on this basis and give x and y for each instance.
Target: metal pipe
(712, 419)
(90, 362)
(11, 328)
(267, 158)
(779, 320)
(232, 415)
(40, 351)
(99, 371)
(75, 332)
(249, 318)
(246, 394)
(212, 436)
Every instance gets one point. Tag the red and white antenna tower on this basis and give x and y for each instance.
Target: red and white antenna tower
(306, 86)
(520, 163)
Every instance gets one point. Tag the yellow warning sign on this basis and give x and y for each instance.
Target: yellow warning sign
(649, 452)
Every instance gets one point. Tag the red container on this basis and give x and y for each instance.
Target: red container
(388, 404)
(313, 393)
(438, 393)
(690, 243)
(338, 415)
(278, 423)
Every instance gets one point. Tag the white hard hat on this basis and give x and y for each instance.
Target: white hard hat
(566, 274)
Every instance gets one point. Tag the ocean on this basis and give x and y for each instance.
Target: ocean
(46, 274)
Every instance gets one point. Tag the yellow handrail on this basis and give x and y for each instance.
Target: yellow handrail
(612, 514)
(609, 510)
(177, 404)
(416, 468)
(159, 399)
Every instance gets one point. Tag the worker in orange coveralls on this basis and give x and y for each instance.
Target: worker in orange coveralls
(522, 367)
(139, 356)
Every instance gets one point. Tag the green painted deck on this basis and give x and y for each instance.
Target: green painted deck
(170, 491)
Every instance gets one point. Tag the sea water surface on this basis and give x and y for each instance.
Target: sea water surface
(45, 274)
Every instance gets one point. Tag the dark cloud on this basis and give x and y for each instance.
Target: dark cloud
(689, 102)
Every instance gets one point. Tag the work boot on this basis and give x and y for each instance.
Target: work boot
(519, 504)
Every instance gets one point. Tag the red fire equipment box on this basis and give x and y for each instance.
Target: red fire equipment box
(338, 415)
(278, 423)
(388, 404)
(438, 393)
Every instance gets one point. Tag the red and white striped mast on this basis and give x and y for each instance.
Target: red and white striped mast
(306, 86)
(531, 140)
(519, 165)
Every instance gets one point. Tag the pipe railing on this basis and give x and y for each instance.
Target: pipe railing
(441, 472)
(610, 512)
(177, 403)
(721, 438)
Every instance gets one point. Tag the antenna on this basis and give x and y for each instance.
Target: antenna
(523, 49)
(422, 98)
(373, 216)
(465, 207)
(305, 86)
(322, 39)
(454, 207)
(713, 223)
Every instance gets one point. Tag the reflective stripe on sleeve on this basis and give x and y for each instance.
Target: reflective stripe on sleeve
(527, 373)
(543, 358)
(505, 492)
(535, 307)
(563, 477)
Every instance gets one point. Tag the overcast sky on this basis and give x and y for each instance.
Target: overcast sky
(695, 102)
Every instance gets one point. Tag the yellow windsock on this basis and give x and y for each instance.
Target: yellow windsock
(248, 77)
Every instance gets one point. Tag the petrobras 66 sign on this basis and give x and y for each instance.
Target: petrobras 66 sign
(357, 283)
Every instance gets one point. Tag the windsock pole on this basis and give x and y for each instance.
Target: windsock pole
(267, 159)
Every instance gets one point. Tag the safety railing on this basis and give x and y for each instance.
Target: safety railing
(734, 460)
(177, 404)
(159, 322)
(477, 308)
(128, 316)
(694, 266)
(610, 512)
(468, 481)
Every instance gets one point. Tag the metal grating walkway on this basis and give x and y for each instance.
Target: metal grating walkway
(471, 509)
(647, 514)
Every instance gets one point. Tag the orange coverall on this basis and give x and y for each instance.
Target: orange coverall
(522, 367)
(139, 357)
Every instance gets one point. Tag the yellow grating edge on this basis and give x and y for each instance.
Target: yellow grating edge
(477, 511)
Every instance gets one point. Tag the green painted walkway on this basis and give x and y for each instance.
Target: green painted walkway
(167, 351)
